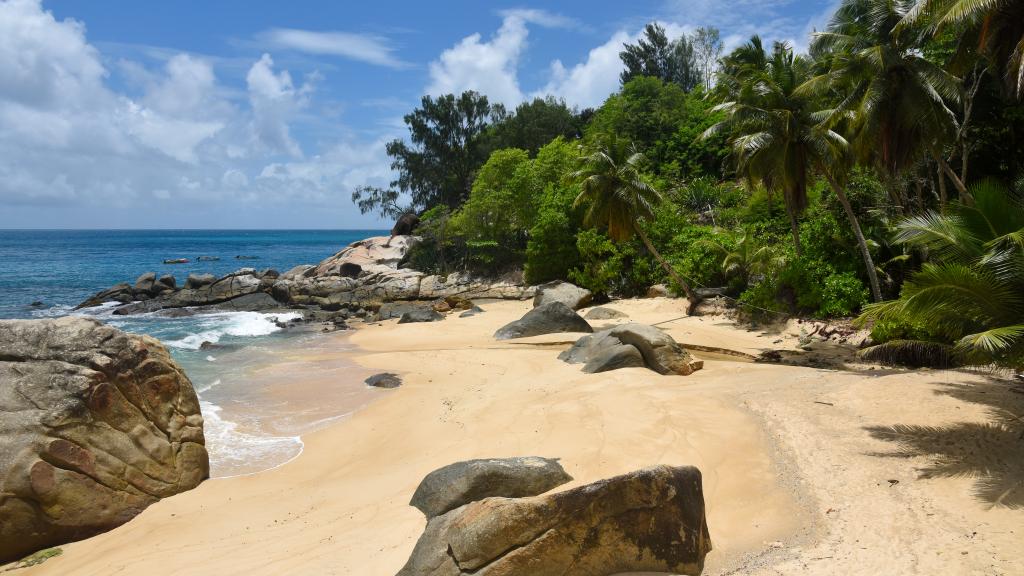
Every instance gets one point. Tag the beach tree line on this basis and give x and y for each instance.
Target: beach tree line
(876, 175)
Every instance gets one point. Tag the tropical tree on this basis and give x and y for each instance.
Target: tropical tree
(971, 295)
(745, 258)
(616, 197)
(892, 97)
(776, 134)
(995, 27)
(656, 56)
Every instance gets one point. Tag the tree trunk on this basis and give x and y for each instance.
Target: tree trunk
(965, 196)
(943, 195)
(876, 291)
(794, 227)
(691, 296)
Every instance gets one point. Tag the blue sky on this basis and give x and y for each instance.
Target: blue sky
(128, 114)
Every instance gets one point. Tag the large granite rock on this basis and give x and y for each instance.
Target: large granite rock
(548, 318)
(630, 345)
(648, 520)
(569, 294)
(97, 425)
(122, 293)
(371, 254)
(420, 315)
(603, 313)
(457, 484)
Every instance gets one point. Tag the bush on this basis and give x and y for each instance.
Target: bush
(600, 262)
(842, 295)
(551, 251)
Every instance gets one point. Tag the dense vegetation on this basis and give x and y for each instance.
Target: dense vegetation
(878, 175)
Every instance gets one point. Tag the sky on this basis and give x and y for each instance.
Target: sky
(232, 114)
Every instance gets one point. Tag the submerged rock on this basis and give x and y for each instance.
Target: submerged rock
(548, 318)
(457, 484)
(569, 294)
(98, 424)
(649, 520)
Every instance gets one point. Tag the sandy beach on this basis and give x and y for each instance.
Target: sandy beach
(806, 471)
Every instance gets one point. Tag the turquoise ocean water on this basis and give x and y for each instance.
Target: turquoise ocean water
(60, 268)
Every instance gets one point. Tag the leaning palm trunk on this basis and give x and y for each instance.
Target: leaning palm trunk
(691, 296)
(965, 196)
(876, 291)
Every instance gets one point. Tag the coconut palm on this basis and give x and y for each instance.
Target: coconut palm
(777, 136)
(745, 258)
(995, 27)
(617, 198)
(972, 293)
(891, 96)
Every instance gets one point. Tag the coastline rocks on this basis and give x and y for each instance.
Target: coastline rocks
(569, 294)
(420, 315)
(610, 350)
(472, 312)
(384, 380)
(372, 255)
(199, 280)
(144, 283)
(649, 520)
(602, 313)
(548, 318)
(122, 293)
(98, 424)
(405, 225)
(447, 488)
(166, 282)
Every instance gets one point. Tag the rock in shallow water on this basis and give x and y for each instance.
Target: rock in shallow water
(550, 318)
(457, 484)
(648, 520)
(97, 424)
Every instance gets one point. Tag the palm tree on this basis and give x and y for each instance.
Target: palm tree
(972, 294)
(746, 258)
(892, 97)
(617, 198)
(995, 27)
(777, 136)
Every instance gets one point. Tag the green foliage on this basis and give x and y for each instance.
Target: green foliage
(972, 294)
(601, 263)
(501, 205)
(656, 56)
(842, 295)
(534, 124)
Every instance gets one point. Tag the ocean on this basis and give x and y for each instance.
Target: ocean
(248, 428)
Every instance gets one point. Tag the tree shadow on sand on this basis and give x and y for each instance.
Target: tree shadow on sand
(991, 452)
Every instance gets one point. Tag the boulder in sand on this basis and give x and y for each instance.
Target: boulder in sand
(651, 520)
(98, 424)
(569, 294)
(384, 380)
(457, 484)
(603, 313)
(608, 350)
(550, 318)
(420, 315)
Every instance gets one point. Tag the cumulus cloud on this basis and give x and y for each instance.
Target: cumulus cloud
(68, 137)
(490, 67)
(368, 48)
(588, 83)
(275, 99)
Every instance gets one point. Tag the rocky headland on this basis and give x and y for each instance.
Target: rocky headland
(357, 281)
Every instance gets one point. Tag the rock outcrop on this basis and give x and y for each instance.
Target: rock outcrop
(98, 424)
(420, 315)
(611, 349)
(569, 294)
(648, 520)
(364, 275)
(458, 484)
(550, 318)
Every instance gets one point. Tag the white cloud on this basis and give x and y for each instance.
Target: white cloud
(588, 83)
(490, 67)
(367, 48)
(275, 100)
(68, 138)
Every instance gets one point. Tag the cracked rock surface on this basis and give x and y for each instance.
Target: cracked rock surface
(95, 425)
(648, 520)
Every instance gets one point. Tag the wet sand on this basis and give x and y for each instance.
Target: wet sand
(806, 471)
